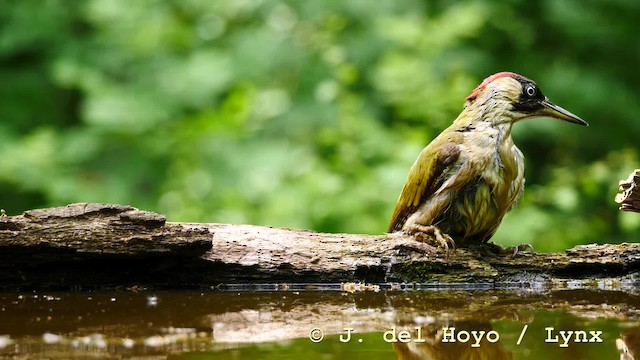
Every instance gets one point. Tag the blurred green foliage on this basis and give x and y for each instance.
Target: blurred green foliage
(308, 114)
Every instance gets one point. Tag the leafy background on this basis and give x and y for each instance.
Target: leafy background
(308, 114)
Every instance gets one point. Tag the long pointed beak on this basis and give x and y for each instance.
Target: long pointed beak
(552, 110)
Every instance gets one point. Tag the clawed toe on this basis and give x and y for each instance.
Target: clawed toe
(515, 250)
(442, 240)
(445, 241)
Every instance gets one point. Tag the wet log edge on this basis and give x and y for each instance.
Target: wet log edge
(106, 245)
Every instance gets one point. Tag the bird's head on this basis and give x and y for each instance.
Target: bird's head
(514, 97)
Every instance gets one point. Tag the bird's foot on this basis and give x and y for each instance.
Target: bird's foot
(493, 249)
(442, 240)
(515, 250)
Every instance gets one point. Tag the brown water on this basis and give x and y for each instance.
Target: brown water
(303, 322)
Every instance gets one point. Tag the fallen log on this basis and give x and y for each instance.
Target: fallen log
(103, 245)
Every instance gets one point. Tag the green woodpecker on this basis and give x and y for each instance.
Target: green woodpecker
(472, 174)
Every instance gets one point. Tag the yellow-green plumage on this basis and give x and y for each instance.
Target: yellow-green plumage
(472, 174)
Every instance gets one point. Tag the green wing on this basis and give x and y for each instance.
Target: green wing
(426, 176)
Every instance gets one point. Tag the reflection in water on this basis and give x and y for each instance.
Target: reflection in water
(268, 325)
(172, 341)
(441, 344)
(74, 324)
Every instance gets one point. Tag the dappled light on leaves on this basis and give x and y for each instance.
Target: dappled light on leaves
(308, 114)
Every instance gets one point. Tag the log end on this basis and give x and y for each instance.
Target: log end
(629, 196)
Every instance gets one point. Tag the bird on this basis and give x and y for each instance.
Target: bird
(466, 179)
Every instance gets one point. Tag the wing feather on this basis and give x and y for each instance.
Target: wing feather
(426, 176)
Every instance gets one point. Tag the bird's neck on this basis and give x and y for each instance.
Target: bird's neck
(485, 118)
(494, 110)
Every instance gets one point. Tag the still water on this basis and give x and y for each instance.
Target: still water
(315, 322)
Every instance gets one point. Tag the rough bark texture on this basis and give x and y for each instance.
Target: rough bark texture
(99, 245)
(629, 199)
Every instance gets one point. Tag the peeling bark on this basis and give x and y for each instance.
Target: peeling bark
(102, 245)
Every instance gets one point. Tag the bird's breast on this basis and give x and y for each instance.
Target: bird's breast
(494, 157)
(495, 181)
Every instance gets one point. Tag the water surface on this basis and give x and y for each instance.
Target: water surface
(322, 322)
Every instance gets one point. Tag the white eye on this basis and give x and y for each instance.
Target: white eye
(530, 90)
